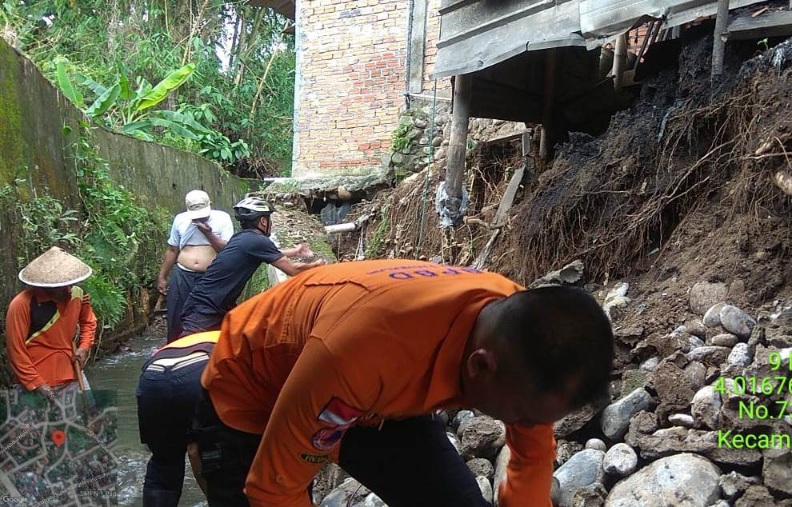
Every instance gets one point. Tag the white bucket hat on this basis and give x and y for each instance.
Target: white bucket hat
(54, 268)
(198, 204)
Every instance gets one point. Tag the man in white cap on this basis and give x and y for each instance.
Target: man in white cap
(42, 320)
(196, 236)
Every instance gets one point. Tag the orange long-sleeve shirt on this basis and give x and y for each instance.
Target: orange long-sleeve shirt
(40, 333)
(348, 344)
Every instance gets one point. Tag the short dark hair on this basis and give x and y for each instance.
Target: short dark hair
(556, 334)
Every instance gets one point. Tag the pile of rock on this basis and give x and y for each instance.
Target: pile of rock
(684, 426)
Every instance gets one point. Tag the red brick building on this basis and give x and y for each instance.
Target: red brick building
(358, 62)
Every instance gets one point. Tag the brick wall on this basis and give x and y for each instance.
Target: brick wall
(430, 54)
(351, 82)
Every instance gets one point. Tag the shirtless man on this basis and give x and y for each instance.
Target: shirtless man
(196, 236)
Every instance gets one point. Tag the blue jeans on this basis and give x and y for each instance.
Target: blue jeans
(166, 400)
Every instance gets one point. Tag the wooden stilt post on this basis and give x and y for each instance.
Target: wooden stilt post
(619, 61)
(546, 138)
(719, 40)
(457, 144)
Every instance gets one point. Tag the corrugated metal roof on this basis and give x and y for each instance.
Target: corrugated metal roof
(475, 35)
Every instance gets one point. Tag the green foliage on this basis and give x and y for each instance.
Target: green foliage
(400, 140)
(249, 86)
(109, 231)
(376, 244)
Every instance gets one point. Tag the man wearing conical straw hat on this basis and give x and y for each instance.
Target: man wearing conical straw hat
(42, 320)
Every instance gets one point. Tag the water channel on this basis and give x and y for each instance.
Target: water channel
(119, 373)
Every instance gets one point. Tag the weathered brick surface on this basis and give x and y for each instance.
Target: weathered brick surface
(353, 78)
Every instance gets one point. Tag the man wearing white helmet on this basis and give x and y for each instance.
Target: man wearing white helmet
(41, 321)
(225, 278)
(196, 236)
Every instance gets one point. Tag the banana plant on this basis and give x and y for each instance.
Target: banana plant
(127, 109)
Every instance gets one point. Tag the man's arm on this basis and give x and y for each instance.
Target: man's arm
(214, 240)
(168, 260)
(305, 428)
(529, 474)
(301, 250)
(294, 268)
(17, 328)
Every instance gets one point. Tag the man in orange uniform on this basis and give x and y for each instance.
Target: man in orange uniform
(344, 363)
(42, 320)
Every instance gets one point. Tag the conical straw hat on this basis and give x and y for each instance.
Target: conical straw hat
(54, 268)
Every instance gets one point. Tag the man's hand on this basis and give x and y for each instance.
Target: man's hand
(46, 391)
(162, 285)
(81, 355)
(204, 227)
(303, 250)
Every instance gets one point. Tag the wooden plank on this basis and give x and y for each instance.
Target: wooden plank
(771, 24)
(508, 198)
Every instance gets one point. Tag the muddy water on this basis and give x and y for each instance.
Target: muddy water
(119, 373)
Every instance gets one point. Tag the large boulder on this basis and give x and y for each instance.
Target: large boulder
(683, 480)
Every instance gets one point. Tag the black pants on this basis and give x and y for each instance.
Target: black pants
(166, 403)
(180, 284)
(407, 463)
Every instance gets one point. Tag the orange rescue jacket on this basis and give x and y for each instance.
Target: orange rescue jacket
(349, 344)
(40, 334)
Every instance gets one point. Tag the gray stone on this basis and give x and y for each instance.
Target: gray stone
(462, 416)
(590, 496)
(582, 470)
(685, 420)
(720, 503)
(500, 471)
(706, 408)
(710, 355)
(697, 373)
(486, 488)
(777, 471)
(756, 496)
(712, 316)
(669, 441)
(616, 417)
(372, 500)
(596, 444)
(565, 450)
(620, 460)
(740, 355)
(724, 340)
(453, 439)
(481, 467)
(482, 437)
(685, 479)
(736, 321)
(696, 328)
(349, 492)
(734, 484)
(576, 420)
(632, 380)
(420, 123)
(650, 364)
(695, 341)
(705, 294)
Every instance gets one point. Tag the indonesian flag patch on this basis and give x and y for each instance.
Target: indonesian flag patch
(338, 413)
